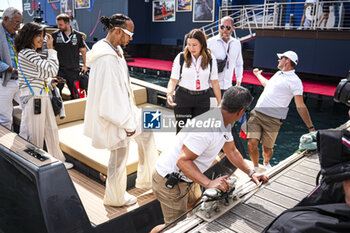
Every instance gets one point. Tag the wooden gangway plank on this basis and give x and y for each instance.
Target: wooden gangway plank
(305, 170)
(267, 203)
(301, 177)
(295, 184)
(311, 165)
(257, 209)
(91, 194)
(269, 207)
(277, 198)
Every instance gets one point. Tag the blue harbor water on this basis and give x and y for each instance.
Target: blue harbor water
(324, 112)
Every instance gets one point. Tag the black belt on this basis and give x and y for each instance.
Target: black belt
(192, 92)
(13, 78)
(180, 180)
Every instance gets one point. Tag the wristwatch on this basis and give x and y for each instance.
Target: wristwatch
(311, 127)
(251, 173)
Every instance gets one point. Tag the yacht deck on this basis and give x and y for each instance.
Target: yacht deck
(91, 194)
(256, 210)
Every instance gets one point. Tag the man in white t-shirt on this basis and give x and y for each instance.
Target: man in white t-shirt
(224, 45)
(192, 153)
(272, 107)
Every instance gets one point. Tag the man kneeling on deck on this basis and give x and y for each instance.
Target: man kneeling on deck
(194, 151)
(111, 117)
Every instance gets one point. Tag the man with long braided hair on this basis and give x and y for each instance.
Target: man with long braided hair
(111, 116)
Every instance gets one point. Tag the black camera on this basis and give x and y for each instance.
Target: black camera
(37, 106)
(173, 179)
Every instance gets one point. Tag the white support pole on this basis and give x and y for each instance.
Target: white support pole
(264, 14)
(316, 16)
(254, 18)
(247, 19)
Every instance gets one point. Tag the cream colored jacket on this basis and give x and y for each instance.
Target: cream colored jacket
(110, 107)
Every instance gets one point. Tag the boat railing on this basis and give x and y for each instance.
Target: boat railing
(289, 15)
(282, 15)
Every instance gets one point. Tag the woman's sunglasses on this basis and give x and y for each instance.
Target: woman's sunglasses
(228, 28)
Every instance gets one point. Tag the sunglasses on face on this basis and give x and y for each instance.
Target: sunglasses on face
(126, 31)
(228, 28)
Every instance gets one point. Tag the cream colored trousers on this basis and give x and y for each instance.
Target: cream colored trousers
(115, 193)
(40, 127)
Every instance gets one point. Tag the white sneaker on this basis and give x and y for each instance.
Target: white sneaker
(68, 165)
(129, 199)
(259, 169)
(267, 166)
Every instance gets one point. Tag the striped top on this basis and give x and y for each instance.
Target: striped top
(36, 69)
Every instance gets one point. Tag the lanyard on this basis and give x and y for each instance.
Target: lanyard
(30, 88)
(198, 82)
(228, 47)
(16, 59)
(227, 52)
(195, 67)
(69, 37)
(14, 50)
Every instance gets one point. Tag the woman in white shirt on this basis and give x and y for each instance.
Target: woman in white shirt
(192, 73)
(35, 76)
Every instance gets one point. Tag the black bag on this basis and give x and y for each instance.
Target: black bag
(221, 64)
(83, 81)
(56, 103)
(327, 218)
(324, 209)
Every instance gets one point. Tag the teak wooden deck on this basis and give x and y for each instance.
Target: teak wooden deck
(257, 210)
(91, 194)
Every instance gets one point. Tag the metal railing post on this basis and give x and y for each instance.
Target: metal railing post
(248, 21)
(316, 16)
(280, 16)
(340, 12)
(264, 14)
(274, 15)
(254, 18)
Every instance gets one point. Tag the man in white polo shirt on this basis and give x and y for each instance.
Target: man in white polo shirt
(272, 107)
(224, 46)
(192, 153)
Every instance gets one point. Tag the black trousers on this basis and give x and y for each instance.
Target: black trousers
(189, 106)
(212, 92)
(71, 76)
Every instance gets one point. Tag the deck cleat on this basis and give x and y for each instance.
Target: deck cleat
(212, 198)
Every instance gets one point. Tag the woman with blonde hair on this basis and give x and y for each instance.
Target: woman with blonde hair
(194, 70)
